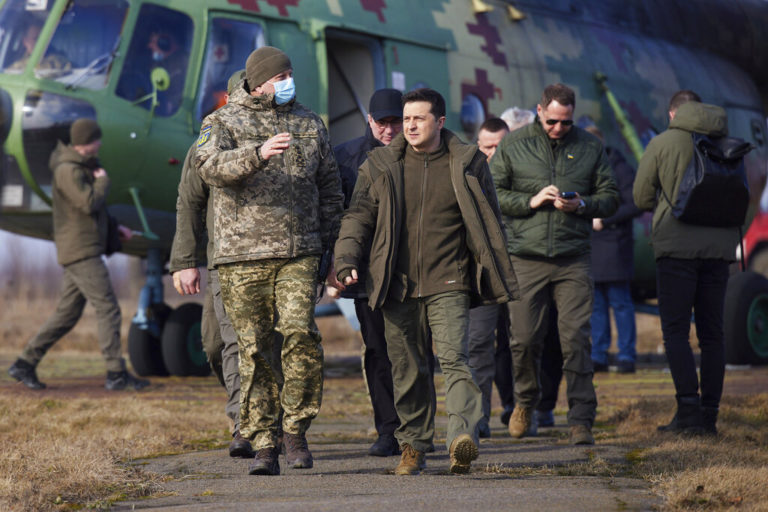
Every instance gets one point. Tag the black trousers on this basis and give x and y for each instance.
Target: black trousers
(502, 376)
(378, 370)
(693, 285)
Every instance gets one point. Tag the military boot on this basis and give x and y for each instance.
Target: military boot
(384, 446)
(463, 451)
(709, 420)
(265, 463)
(118, 381)
(297, 454)
(411, 461)
(520, 422)
(240, 447)
(581, 434)
(25, 373)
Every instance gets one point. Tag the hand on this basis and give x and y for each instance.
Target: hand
(546, 195)
(333, 283)
(187, 281)
(124, 232)
(351, 279)
(597, 224)
(275, 145)
(568, 205)
(100, 173)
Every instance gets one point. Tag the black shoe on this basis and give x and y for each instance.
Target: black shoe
(483, 430)
(385, 446)
(688, 419)
(625, 367)
(240, 447)
(599, 367)
(265, 463)
(709, 420)
(669, 427)
(297, 454)
(25, 373)
(544, 418)
(118, 381)
(505, 415)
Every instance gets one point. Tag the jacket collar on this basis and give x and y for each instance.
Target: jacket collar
(264, 102)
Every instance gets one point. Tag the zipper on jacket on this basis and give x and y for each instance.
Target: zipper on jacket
(421, 223)
(286, 165)
(553, 179)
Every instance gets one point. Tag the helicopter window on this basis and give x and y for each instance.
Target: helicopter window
(162, 39)
(229, 44)
(84, 44)
(20, 24)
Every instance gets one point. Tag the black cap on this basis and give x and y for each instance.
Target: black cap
(386, 103)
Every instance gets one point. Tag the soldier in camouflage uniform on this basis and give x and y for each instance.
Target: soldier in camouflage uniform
(277, 202)
(219, 337)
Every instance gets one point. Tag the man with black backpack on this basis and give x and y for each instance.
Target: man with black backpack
(691, 262)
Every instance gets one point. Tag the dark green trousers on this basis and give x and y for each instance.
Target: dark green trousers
(265, 298)
(566, 284)
(406, 325)
(84, 280)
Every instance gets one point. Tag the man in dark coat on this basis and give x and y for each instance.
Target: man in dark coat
(385, 121)
(612, 270)
(81, 230)
(425, 206)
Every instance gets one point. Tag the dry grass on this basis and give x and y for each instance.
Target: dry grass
(700, 473)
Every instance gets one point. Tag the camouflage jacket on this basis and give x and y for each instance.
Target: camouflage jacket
(80, 217)
(193, 200)
(285, 207)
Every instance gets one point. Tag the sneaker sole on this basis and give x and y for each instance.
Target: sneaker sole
(464, 453)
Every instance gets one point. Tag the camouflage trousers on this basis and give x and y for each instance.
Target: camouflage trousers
(267, 299)
(84, 280)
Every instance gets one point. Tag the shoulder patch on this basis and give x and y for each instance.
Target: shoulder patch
(205, 134)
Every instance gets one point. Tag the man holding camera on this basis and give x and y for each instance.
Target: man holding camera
(552, 179)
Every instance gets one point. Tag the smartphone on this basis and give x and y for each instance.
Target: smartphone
(568, 195)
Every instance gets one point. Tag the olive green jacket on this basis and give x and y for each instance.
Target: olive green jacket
(192, 231)
(80, 217)
(525, 163)
(376, 211)
(661, 168)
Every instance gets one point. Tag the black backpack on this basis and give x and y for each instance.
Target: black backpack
(714, 191)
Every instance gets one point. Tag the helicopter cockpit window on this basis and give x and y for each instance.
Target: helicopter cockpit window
(229, 44)
(20, 25)
(162, 39)
(85, 43)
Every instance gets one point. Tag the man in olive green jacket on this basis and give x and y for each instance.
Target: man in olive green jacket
(691, 264)
(81, 228)
(425, 206)
(552, 178)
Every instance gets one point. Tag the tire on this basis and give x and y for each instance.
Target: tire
(746, 319)
(182, 342)
(145, 353)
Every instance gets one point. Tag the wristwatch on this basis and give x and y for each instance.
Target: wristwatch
(582, 206)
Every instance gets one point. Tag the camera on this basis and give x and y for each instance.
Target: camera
(568, 195)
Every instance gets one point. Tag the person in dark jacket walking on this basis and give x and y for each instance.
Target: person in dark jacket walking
(81, 229)
(552, 179)
(691, 265)
(385, 121)
(612, 270)
(425, 206)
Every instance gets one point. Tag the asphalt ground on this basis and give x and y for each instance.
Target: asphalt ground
(541, 473)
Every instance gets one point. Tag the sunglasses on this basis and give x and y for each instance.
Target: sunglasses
(564, 122)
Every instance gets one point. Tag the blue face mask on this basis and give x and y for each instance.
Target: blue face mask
(285, 90)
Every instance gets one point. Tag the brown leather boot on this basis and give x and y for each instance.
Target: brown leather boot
(411, 461)
(240, 447)
(265, 463)
(463, 451)
(297, 454)
(520, 422)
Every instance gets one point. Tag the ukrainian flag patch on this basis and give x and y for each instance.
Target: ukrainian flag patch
(205, 134)
(570, 156)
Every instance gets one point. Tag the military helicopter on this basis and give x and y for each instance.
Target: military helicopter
(150, 71)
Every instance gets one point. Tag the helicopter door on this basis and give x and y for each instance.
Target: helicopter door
(355, 71)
